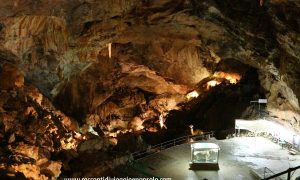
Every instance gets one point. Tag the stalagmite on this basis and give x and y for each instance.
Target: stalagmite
(162, 121)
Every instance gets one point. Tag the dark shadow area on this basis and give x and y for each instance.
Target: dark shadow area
(215, 109)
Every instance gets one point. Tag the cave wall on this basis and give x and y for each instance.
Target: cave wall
(182, 41)
(161, 51)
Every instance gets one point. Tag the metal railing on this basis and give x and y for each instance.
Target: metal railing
(268, 172)
(284, 144)
(168, 144)
(288, 172)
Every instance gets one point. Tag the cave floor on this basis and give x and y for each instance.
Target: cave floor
(239, 157)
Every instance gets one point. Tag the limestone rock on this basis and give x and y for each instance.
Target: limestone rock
(34, 129)
(136, 124)
(30, 171)
(93, 145)
(27, 150)
(11, 77)
(51, 169)
(159, 51)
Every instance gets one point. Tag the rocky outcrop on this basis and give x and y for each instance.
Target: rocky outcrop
(31, 130)
(39, 43)
(11, 77)
(119, 67)
(112, 96)
(158, 47)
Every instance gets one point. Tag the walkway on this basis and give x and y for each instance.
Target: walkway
(238, 158)
(266, 126)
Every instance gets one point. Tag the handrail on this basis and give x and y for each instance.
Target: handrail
(285, 144)
(267, 169)
(288, 171)
(168, 144)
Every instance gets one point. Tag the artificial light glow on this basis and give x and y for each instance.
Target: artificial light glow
(91, 130)
(212, 83)
(193, 94)
(77, 135)
(277, 130)
(161, 122)
(233, 78)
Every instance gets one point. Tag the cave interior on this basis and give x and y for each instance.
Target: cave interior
(83, 84)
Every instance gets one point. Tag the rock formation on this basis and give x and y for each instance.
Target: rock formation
(118, 68)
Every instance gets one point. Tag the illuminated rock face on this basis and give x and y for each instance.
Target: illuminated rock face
(30, 129)
(160, 50)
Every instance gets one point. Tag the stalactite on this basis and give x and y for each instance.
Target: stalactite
(109, 49)
(261, 2)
